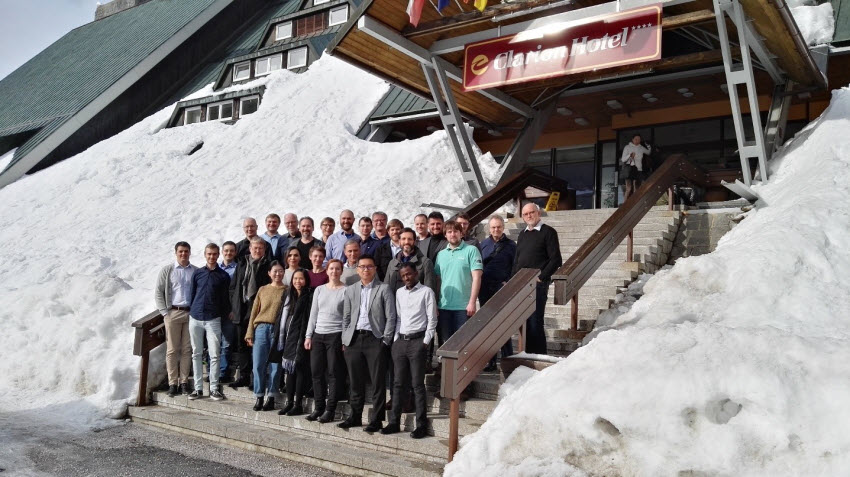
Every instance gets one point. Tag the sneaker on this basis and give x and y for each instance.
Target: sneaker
(419, 433)
(184, 389)
(216, 395)
(172, 390)
(196, 395)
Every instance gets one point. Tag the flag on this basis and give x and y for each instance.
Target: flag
(480, 5)
(414, 10)
(442, 4)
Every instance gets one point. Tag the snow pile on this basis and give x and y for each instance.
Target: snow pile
(86, 238)
(732, 363)
(816, 22)
(623, 302)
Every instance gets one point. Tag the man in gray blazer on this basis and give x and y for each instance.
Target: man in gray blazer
(368, 329)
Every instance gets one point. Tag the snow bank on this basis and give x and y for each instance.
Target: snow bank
(86, 238)
(816, 22)
(732, 363)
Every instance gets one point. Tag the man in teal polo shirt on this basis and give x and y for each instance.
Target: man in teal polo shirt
(459, 268)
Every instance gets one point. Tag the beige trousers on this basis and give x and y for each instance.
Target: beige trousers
(178, 347)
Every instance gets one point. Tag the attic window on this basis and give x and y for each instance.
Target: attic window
(296, 58)
(283, 31)
(248, 105)
(220, 111)
(242, 71)
(338, 15)
(264, 66)
(193, 115)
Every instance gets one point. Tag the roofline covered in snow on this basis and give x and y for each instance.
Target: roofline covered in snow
(78, 119)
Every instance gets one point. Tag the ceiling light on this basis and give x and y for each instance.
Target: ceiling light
(683, 90)
(493, 132)
(564, 111)
(687, 94)
(432, 128)
(614, 104)
(647, 95)
(582, 122)
(725, 88)
(652, 99)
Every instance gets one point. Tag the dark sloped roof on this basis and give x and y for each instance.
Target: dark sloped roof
(400, 102)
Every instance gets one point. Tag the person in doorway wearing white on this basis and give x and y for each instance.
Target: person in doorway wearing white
(210, 302)
(632, 159)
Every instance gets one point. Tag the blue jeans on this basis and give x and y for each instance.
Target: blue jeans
(228, 335)
(198, 329)
(448, 322)
(263, 341)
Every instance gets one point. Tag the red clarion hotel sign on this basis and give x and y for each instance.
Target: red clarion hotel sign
(558, 49)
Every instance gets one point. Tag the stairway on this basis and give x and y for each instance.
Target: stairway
(653, 240)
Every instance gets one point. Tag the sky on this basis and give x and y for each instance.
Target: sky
(29, 26)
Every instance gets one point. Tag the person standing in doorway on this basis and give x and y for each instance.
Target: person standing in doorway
(632, 159)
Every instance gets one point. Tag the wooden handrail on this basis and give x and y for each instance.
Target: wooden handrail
(150, 333)
(467, 352)
(509, 189)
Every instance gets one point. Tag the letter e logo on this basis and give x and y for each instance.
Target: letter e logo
(479, 65)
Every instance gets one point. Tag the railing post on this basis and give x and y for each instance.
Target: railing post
(521, 342)
(454, 415)
(669, 198)
(142, 398)
(630, 246)
(574, 313)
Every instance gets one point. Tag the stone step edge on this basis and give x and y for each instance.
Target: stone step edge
(371, 460)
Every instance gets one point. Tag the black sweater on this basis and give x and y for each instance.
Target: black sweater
(538, 249)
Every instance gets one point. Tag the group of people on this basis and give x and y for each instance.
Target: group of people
(346, 310)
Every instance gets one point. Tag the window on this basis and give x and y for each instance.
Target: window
(220, 111)
(248, 105)
(296, 58)
(264, 66)
(338, 15)
(193, 115)
(242, 71)
(319, 2)
(283, 31)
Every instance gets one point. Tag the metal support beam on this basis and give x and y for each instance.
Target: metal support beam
(441, 91)
(524, 143)
(777, 118)
(737, 75)
(394, 39)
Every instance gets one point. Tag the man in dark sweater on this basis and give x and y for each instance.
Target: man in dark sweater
(537, 247)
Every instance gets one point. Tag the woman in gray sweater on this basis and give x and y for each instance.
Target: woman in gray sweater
(324, 339)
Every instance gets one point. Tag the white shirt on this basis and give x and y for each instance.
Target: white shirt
(395, 248)
(537, 227)
(181, 285)
(363, 319)
(639, 152)
(416, 309)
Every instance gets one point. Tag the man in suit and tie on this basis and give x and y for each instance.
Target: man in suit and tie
(368, 329)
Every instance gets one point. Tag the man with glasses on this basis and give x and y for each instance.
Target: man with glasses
(537, 247)
(243, 248)
(327, 226)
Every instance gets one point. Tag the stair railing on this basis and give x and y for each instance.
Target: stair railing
(468, 351)
(150, 333)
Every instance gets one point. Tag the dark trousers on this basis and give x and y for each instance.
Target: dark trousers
(328, 367)
(536, 336)
(366, 359)
(241, 352)
(448, 322)
(488, 289)
(297, 383)
(409, 362)
(228, 337)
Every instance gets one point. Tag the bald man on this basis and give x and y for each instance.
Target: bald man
(336, 242)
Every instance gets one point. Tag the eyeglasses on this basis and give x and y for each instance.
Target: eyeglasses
(366, 267)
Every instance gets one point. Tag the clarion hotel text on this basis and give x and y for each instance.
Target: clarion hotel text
(580, 46)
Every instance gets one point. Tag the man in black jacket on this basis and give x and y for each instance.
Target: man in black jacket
(252, 272)
(437, 241)
(243, 247)
(389, 248)
(537, 247)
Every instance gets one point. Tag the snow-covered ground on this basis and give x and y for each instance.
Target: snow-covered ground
(85, 239)
(732, 363)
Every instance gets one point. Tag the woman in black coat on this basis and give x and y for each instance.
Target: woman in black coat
(293, 326)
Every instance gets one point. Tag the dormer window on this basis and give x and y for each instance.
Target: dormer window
(264, 66)
(283, 31)
(220, 111)
(319, 2)
(338, 15)
(242, 71)
(248, 105)
(193, 115)
(296, 58)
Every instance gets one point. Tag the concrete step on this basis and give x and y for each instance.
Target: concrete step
(557, 311)
(395, 455)
(638, 241)
(485, 386)
(571, 235)
(563, 322)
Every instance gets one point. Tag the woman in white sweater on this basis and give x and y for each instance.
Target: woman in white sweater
(632, 169)
(324, 339)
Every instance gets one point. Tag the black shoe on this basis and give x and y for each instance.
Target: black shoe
(316, 414)
(419, 433)
(350, 422)
(296, 410)
(196, 395)
(288, 407)
(239, 384)
(184, 389)
(327, 417)
(391, 429)
(373, 427)
(269, 405)
(491, 367)
(225, 379)
(216, 395)
(259, 404)
(172, 390)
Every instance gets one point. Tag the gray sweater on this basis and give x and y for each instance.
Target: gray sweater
(162, 293)
(326, 312)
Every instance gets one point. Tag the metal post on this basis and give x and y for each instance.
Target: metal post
(669, 198)
(630, 246)
(454, 415)
(574, 313)
(142, 398)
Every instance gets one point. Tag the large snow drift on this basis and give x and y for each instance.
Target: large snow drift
(732, 363)
(84, 240)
